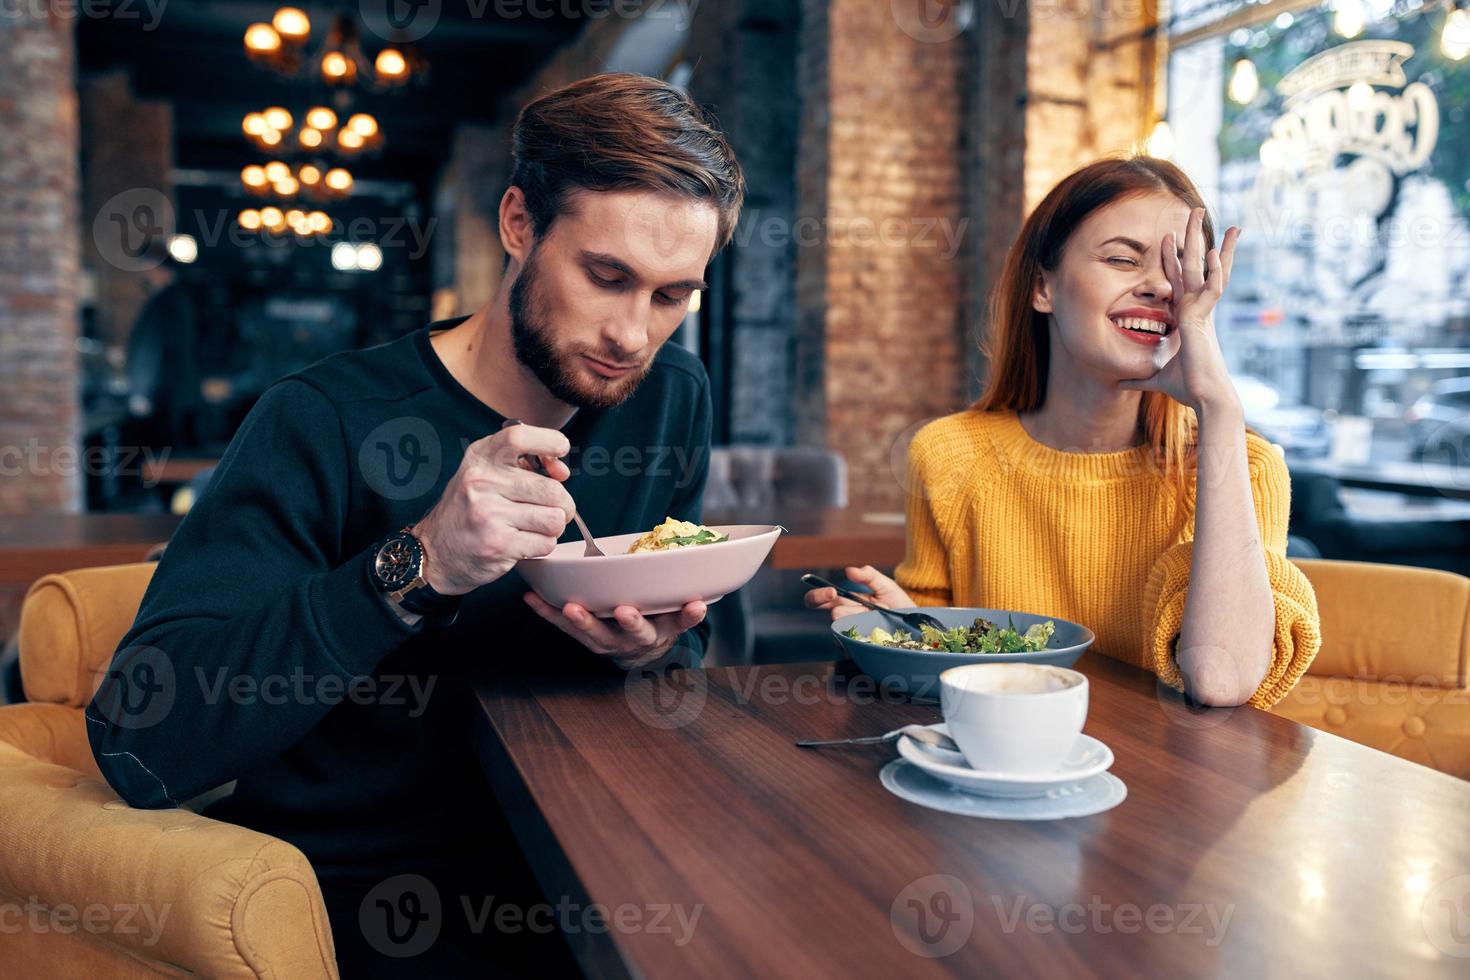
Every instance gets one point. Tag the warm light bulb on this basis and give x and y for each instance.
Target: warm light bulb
(1244, 83)
(335, 65)
(249, 219)
(1161, 141)
(309, 175)
(262, 39)
(390, 63)
(1454, 40)
(369, 256)
(292, 24)
(349, 139)
(272, 217)
(1350, 19)
(183, 248)
(363, 124)
(310, 138)
(1273, 157)
(270, 137)
(286, 186)
(254, 176)
(321, 117)
(344, 256)
(339, 179)
(320, 222)
(254, 124)
(276, 170)
(277, 118)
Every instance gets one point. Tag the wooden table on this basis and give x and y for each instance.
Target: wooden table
(32, 545)
(1249, 845)
(1421, 479)
(827, 538)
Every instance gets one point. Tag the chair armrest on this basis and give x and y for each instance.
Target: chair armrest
(167, 885)
(50, 732)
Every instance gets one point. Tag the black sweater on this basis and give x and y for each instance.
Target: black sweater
(262, 652)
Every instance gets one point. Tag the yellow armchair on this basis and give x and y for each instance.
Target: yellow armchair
(92, 887)
(1392, 672)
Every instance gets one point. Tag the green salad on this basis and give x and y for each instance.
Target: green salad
(982, 637)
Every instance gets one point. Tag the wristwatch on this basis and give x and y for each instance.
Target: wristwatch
(397, 570)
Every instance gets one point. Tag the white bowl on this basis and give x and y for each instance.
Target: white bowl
(653, 582)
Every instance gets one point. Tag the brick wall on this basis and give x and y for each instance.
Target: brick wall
(1089, 85)
(38, 262)
(882, 296)
(127, 154)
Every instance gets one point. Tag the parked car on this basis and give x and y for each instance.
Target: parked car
(1439, 422)
(1301, 430)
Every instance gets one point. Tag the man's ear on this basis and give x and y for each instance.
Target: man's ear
(1041, 295)
(517, 234)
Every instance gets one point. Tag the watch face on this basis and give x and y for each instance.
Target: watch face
(397, 563)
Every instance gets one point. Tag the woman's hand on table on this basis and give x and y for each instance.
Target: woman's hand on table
(886, 593)
(629, 638)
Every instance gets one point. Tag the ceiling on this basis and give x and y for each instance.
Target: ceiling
(191, 54)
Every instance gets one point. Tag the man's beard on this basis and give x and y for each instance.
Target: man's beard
(558, 369)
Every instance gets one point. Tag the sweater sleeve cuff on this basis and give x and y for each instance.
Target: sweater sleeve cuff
(358, 627)
(1298, 634)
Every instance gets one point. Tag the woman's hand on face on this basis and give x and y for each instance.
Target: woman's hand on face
(1196, 376)
(886, 593)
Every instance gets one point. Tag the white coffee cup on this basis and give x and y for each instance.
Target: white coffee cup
(1013, 718)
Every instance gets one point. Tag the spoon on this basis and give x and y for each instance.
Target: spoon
(919, 733)
(591, 551)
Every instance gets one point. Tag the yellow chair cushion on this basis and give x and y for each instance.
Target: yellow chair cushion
(70, 626)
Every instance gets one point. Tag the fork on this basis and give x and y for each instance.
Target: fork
(591, 551)
(919, 733)
(914, 620)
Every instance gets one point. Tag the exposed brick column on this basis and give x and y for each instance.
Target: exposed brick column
(39, 263)
(127, 156)
(882, 296)
(1090, 86)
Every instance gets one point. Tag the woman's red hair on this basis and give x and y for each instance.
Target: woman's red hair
(1019, 344)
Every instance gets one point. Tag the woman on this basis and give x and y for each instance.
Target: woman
(1106, 475)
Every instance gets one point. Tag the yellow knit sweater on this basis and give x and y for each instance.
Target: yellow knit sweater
(1001, 521)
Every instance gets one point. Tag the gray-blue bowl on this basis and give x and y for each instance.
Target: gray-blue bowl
(916, 672)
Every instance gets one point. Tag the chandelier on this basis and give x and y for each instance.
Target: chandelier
(281, 46)
(274, 129)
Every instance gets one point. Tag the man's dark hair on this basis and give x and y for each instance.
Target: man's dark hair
(621, 131)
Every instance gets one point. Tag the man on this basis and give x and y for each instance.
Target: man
(316, 626)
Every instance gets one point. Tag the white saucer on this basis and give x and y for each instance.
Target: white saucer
(1087, 758)
(907, 781)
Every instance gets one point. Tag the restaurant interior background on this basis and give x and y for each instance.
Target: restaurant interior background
(203, 195)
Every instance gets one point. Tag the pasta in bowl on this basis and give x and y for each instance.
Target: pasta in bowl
(679, 562)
